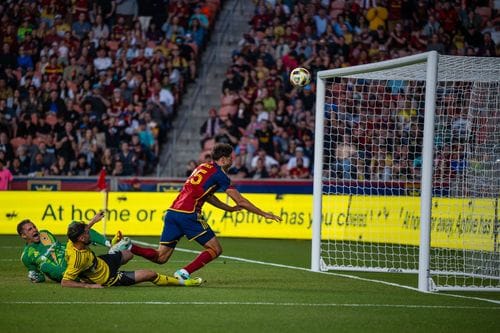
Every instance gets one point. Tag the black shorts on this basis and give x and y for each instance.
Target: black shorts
(116, 277)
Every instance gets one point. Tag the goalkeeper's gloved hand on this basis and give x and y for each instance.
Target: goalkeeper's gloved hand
(36, 277)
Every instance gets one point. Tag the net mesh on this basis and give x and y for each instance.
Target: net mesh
(372, 171)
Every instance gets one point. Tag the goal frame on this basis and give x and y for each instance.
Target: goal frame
(425, 282)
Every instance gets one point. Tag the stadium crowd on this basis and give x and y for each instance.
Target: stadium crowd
(87, 84)
(271, 123)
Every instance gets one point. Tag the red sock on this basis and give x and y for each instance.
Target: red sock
(201, 260)
(147, 253)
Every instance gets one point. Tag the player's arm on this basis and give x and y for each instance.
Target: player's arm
(214, 201)
(34, 274)
(53, 270)
(99, 216)
(246, 204)
(70, 278)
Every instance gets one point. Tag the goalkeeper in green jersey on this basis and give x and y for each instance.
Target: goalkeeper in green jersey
(43, 255)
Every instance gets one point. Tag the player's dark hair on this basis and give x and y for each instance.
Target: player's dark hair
(75, 230)
(221, 150)
(21, 225)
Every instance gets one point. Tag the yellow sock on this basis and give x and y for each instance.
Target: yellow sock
(163, 280)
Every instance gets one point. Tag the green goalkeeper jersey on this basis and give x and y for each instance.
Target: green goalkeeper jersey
(44, 259)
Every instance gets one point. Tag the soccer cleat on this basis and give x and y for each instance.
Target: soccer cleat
(182, 274)
(122, 245)
(118, 237)
(194, 282)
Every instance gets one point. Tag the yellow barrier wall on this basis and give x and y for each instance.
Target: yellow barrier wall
(457, 223)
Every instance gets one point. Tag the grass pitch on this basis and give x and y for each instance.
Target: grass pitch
(239, 296)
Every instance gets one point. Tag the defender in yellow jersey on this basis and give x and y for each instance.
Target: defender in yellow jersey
(86, 270)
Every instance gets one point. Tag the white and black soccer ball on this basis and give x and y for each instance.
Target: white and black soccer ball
(300, 77)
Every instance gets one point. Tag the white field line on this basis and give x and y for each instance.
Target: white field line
(346, 305)
(353, 277)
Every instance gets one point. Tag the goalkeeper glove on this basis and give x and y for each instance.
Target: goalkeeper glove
(36, 277)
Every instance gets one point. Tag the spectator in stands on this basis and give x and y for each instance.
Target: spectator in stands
(259, 171)
(191, 165)
(432, 27)
(66, 142)
(99, 31)
(60, 167)
(227, 133)
(266, 159)
(128, 9)
(106, 9)
(8, 58)
(299, 171)
(15, 167)
(151, 11)
(345, 154)
(55, 104)
(81, 28)
(488, 47)
(48, 155)
(436, 45)
(81, 168)
(6, 147)
(126, 157)
(136, 185)
(232, 82)
(5, 176)
(24, 60)
(118, 169)
(210, 127)
(299, 154)
(238, 170)
(198, 15)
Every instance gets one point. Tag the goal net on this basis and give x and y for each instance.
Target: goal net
(407, 170)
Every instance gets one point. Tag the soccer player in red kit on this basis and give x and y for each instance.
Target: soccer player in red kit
(184, 215)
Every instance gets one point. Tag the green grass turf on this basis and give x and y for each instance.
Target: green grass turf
(238, 297)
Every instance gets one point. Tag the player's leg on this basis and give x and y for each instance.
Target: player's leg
(165, 280)
(168, 240)
(203, 234)
(158, 256)
(213, 249)
(126, 257)
(144, 275)
(98, 238)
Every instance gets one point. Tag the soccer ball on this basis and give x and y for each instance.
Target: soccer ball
(300, 77)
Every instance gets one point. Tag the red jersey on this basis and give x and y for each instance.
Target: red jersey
(203, 181)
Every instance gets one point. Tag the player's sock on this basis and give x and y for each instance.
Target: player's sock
(147, 253)
(201, 260)
(116, 238)
(163, 280)
(98, 238)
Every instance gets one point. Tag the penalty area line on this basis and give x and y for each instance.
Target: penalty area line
(345, 305)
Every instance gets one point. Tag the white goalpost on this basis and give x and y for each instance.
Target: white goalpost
(407, 170)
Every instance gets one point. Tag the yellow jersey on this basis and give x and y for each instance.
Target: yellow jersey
(85, 265)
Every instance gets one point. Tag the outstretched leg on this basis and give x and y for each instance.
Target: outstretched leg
(159, 256)
(213, 249)
(143, 275)
(98, 238)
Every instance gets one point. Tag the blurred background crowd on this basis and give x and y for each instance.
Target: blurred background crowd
(87, 84)
(271, 123)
